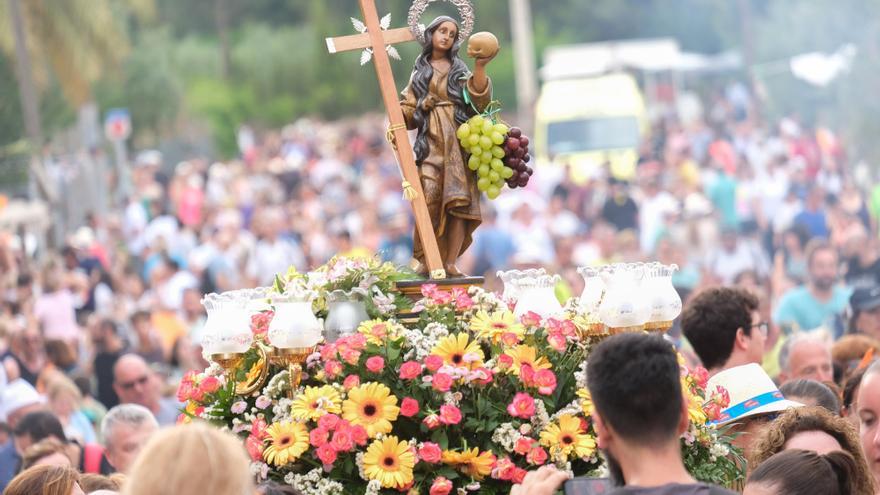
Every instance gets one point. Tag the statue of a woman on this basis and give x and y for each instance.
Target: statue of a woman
(433, 104)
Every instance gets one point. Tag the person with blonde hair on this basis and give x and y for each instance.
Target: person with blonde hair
(65, 401)
(815, 429)
(46, 480)
(193, 458)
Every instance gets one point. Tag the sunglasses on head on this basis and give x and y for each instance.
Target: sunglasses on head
(139, 381)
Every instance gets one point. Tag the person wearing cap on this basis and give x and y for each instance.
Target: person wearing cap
(754, 402)
(862, 258)
(724, 327)
(17, 398)
(865, 307)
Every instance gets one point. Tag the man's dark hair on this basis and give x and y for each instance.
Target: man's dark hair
(818, 391)
(140, 315)
(711, 319)
(40, 425)
(635, 384)
(801, 471)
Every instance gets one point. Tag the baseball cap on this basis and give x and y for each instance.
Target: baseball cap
(865, 298)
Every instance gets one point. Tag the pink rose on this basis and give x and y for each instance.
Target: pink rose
(375, 364)
(557, 341)
(342, 441)
(463, 301)
(326, 454)
(523, 445)
(209, 385)
(482, 376)
(701, 376)
(505, 361)
(359, 435)
(333, 368)
(429, 290)
(357, 341)
(537, 456)
(328, 421)
(442, 382)
(410, 370)
(327, 351)
(430, 452)
(254, 447)
(527, 375)
(440, 486)
(519, 475)
(318, 437)
(450, 415)
(351, 381)
(531, 319)
(431, 421)
(409, 407)
(522, 406)
(503, 469)
(509, 339)
(350, 356)
(186, 387)
(433, 362)
(546, 382)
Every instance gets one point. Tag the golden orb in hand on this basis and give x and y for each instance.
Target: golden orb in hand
(482, 45)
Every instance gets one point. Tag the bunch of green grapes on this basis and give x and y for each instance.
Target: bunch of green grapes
(483, 140)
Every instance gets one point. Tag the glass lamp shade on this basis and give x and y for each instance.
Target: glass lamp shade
(594, 287)
(294, 324)
(665, 301)
(537, 294)
(624, 305)
(228, 325)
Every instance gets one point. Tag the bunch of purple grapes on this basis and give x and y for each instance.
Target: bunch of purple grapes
(516, 156)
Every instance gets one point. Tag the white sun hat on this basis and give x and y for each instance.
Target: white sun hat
(751, 392)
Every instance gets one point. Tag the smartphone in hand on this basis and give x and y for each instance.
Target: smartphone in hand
(588, 486)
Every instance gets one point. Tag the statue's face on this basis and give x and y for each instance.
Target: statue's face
(445, 35)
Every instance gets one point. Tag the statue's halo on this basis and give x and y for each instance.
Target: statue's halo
(465, 10)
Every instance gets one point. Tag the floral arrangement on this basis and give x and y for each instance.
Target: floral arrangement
(467, 400)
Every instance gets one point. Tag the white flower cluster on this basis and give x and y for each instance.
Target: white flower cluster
(506, 436)
(374, 487)
(384, 303)
(278, 384)
(573, 407)
(580, 375)
(314, 483)
(359, 461)
(718, 450)
(541, 419)
(281, 410)
(259, 470)
(422, 341)
(452, 398)
(485, 300)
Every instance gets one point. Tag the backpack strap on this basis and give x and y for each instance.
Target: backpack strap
(92, 453)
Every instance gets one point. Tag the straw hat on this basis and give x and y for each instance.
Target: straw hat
(752, 393)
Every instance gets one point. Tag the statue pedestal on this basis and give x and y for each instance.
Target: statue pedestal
(413, 290)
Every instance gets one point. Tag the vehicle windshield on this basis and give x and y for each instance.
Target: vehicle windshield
(574, 136)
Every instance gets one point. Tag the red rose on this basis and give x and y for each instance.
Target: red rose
(409, 407)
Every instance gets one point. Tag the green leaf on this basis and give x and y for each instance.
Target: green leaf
(439, 437)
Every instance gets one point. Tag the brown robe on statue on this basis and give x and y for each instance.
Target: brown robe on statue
(450, 187)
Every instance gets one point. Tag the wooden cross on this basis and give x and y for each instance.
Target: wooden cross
(376, 39)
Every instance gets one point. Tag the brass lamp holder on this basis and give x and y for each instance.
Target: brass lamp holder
(293, 359)
(257, 375)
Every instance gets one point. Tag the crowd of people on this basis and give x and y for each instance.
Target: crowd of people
(773, 230)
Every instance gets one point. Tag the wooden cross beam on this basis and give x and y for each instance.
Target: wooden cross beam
(376, 39)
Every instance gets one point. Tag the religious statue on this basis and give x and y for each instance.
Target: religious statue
(435, 105)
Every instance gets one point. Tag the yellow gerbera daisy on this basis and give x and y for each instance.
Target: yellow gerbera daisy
(390, 462)
(567, 437)
(315, 402)
(586, 401)
(378, 331)
(493, 327)
(526, 354)
(470, 462)
(453, 348)
(694, 403)
(287, 441)
(372, 406)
